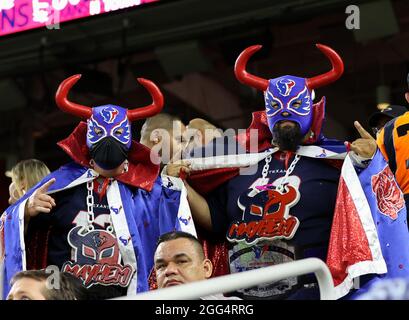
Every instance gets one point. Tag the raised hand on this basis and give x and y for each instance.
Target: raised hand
(175, 168)
(40, 201)
(365, 146)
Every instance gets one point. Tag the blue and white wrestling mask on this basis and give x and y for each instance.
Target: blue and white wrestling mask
(289, 97)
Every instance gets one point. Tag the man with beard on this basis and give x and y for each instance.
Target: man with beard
(287, 135)
(280, 208)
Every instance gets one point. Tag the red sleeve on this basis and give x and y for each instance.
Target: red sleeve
(207, 180)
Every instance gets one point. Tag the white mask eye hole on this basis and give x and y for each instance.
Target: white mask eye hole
(312, 95)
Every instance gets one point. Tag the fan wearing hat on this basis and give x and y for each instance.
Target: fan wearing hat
(393, 141)
(378, 119)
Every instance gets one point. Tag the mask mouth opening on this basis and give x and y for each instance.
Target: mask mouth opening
(109, 153)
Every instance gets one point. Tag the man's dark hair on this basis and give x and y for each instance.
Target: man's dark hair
(70, 287)
(173, 235)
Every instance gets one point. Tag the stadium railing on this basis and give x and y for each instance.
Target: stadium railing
(246, 279)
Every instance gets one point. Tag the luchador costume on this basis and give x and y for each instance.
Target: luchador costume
(295, 206)
(102, 230)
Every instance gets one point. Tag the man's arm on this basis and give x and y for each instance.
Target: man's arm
(199, 207)
(198, 204)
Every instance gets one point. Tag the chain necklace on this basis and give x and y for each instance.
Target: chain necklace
(290, 169)
(90, 208)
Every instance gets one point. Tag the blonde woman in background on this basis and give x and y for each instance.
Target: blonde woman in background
(25, 175)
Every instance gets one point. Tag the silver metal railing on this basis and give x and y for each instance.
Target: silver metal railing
(245, 279)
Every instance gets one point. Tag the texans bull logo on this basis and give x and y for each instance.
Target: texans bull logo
(109, 114)
(265, 215)
(285, 86)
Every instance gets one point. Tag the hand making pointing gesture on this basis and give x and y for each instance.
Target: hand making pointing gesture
(40, 201)
(364, 146)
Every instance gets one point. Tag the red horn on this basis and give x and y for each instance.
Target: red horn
(243, 76)
(334, 74)
(154, 108)
(67, 106)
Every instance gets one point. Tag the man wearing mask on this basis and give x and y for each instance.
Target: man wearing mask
(288, 202)
(98, 217)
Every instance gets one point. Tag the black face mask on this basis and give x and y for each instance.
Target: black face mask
(109, 153)
(287, 138)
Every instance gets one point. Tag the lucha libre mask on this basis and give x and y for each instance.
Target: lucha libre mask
(109, 136)
(288, 97)
(108, 127)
